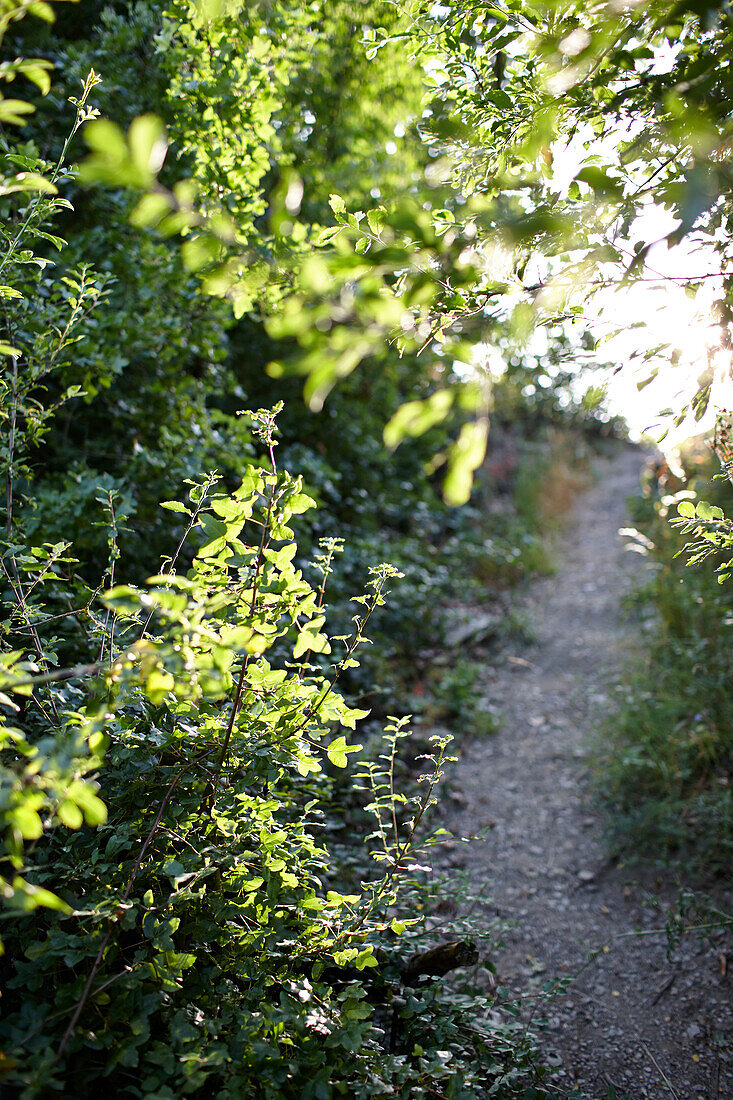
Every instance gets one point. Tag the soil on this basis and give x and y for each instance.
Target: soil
(632, 1017)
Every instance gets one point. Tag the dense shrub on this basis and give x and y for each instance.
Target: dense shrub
(176, 921)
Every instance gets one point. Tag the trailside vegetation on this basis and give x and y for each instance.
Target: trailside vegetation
(178, 917)
(667, 766)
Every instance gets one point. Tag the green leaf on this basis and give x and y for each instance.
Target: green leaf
(337, 204)
(28, 822)
(708, 511)
(300, 503)
(13, 112)
(327, 235)
(158, 685)
(309, 640)
(365, 959)
(94, 809)
(351, 715)
(117, 161)
(465, 456)
(376, 219)
(215, 532)
(38, 72)
(150, 210)
(29, 181)
(601, 182)
(199, 251)
(173, 869)
(148, 144)
(209, 11)
(107, 140)
(337, 752)
(70, 814)
(29, 897)
(414, 418)
(249, 885)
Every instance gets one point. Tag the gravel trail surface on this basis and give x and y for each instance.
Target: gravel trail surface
(632, 1018)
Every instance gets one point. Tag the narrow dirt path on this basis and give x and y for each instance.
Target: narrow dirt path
(633, 1019)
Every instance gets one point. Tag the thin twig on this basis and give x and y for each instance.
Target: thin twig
(664, 1077)
(58, 675)
(393, 807)
(112, 562)
(211, 480)
(81, 113)
(11, 450)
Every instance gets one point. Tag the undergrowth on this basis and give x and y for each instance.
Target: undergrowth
(180, 912)
(524, 493)
(666, 770)
(191, 934)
